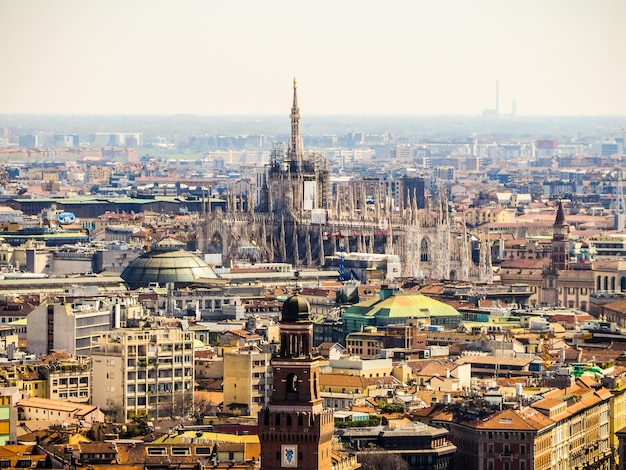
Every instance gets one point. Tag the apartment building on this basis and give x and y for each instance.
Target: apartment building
(568, 428)
(8, 415)
(67, 326)
(68, 381)
(143, 372)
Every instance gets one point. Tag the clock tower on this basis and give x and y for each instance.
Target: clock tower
(295, 430)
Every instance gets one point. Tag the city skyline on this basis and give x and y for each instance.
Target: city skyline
(350, 58)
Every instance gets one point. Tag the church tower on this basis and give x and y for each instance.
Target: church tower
(560, 240)
(295, 430)
(559, 261)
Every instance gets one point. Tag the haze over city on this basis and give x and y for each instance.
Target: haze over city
(350, 57)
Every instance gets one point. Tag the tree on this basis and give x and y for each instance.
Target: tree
(379, 459)
(341, 298)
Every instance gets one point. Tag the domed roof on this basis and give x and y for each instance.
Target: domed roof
(296, 308)
(166, 262)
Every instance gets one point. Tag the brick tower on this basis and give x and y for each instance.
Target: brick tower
(295, 429)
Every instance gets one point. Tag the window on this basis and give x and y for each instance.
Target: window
(157, 451)
(181, 451)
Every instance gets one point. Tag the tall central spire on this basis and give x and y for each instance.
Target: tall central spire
(295, 146)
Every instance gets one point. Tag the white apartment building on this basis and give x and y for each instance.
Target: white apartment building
(143, 372)
(204, 304)
(65, 326)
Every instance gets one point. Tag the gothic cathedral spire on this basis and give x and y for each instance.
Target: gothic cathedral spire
(295, 145)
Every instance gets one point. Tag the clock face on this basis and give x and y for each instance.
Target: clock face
(289, 457)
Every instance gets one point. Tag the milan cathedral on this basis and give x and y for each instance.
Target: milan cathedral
(293, 214)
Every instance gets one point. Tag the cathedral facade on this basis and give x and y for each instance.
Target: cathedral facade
(294, 214)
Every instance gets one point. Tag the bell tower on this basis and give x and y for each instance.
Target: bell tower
(295, 429)
(560, 240)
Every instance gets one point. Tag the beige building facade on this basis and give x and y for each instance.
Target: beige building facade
(143, 372)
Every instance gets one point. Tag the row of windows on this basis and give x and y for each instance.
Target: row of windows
(73, 394)
(181, 451)
(163, 374)
(506, 465)
(71, 381)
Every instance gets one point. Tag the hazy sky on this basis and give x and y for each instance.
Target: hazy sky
(228, 57)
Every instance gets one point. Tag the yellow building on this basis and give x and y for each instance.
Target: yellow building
(617, 412)
(489, 215)
(26, 378)
(247, 381)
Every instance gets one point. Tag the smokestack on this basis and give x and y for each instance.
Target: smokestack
(497, 97)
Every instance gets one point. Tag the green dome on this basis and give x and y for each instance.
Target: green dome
(396, 307)
(166, 262)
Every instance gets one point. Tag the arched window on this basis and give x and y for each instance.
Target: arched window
(613, 284)
(292, 383)
(215, 244)
(622, 283)
(424, 250)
